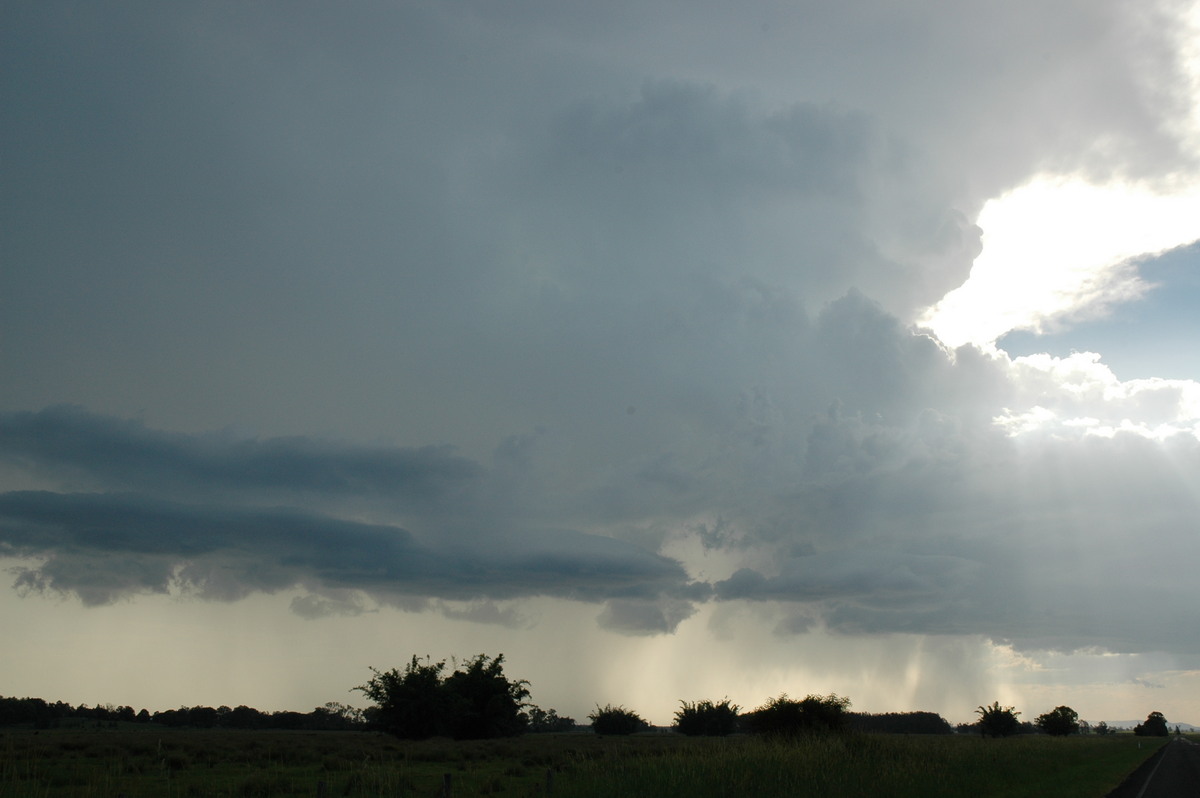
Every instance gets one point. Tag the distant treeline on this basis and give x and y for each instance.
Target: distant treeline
(900, 723)
(42, 714)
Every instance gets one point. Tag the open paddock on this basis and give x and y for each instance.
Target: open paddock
(160, 763)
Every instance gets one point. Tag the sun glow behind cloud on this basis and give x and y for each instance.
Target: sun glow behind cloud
(1063, 248)
(1060, 249)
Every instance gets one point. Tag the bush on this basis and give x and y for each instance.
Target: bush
(616, 720)
(705, 718)
(785, 716)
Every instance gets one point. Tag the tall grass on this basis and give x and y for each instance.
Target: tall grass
(151, 763)
(866, 765)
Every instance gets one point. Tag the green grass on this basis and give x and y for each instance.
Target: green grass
(152, 763)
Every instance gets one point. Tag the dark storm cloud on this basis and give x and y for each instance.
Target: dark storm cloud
(105, 546)
(658, 266)
(119, 454)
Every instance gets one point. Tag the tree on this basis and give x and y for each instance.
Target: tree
(472, 703)
(484, 703)
(411, 704)
(706, 718)
(900, 723)
(541, 720)
(1059, 721)
(787, 716)
(1102, 728)
(998, 721)
(1154, 726)
(616, 720)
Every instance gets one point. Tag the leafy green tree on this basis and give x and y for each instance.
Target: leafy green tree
(706, 718)
(998, 721)
(608, 719)
(1059, 722)
(1154, 726)
(1101, 728)
(787, 716)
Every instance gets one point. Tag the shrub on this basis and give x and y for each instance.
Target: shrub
(705, 718)
(616, 720)
(785, 716)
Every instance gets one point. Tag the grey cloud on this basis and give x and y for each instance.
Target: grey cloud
(1147, 684)
(105, 546)
(503, 226)
(487, 612)
(312, 605)
(641, 618)
(123, 454)
(1052, 545)
(685, 177)
(878, 577)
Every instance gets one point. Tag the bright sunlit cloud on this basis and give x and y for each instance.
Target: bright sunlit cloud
(1060, 249)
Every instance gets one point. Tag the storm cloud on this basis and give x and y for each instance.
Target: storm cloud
(104, 546)
(475, 312)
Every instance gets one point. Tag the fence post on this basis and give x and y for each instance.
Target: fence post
(549, 781)
(320, 789)
(446, 785)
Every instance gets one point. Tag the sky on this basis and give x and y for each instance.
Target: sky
(675, 351)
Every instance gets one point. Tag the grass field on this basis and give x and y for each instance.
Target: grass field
(148, 763)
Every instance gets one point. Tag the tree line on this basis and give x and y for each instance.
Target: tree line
(477, 700)
(42, 714)
(998, 721)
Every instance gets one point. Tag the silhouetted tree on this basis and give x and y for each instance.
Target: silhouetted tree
(998, 721)
(484, 703)
(411, 704)
(616, 720)
(787, 716)
(202, 717)
(541, 720)
(1059, 721)
(900, 723)
(1155, 725)
(706, 718)
(471, 703)
(244, 717)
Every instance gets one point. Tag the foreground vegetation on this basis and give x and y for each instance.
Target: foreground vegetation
(138, 761)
